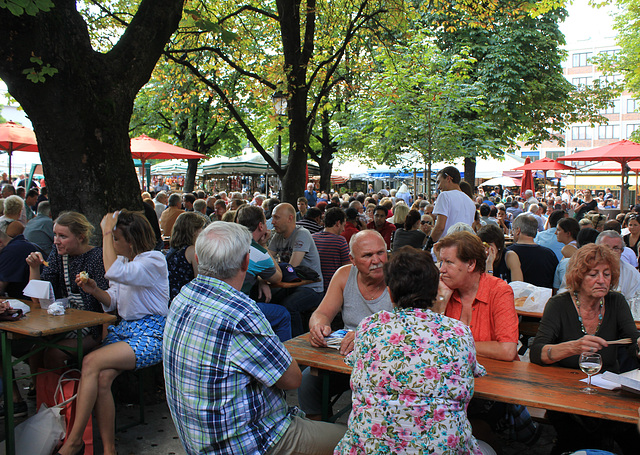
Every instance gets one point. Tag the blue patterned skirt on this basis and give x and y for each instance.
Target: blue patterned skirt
(143, 335)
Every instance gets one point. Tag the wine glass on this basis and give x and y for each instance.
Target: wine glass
(590, 364)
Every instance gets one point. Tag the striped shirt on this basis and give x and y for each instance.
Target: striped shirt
(334, 253)
(221, 361)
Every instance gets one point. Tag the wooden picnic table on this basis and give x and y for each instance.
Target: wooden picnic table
(38, 324)
(528, 384)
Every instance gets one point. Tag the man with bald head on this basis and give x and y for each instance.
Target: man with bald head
(294, 245)
(358, 290)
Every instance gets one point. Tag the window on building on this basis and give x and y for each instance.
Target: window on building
(610, 52)
(631, 127)
(610, 78)
(580, 132)
(609, 132)
(580, 59)
(581, 81)
(632, 106)
(555, 154)
(532, 154)
(612, 109)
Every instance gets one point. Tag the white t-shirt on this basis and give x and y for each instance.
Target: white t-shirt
(456, 206)
(139, 287)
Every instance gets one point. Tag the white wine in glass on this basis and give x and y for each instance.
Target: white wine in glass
(590, 364)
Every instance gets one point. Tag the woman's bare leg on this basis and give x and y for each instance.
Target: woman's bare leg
(117, 356)
(56, 358)
(106, 411)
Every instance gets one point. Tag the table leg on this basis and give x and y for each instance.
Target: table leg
(7, 389)
(326, 398)
(79, 348)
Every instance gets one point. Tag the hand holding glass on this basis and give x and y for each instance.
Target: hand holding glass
(590, 364)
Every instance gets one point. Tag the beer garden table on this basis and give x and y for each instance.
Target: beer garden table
(548, 387)
(42, 328)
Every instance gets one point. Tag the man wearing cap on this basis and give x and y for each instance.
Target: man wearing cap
(294, 245)
(452, 205)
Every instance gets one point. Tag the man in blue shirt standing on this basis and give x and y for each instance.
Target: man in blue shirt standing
(225, 369)
(312, 198)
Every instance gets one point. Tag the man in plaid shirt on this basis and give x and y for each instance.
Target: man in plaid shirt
(225, 369)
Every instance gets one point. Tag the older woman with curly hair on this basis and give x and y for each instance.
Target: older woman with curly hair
(585, 319)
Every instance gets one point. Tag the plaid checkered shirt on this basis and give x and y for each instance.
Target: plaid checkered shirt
(221, 361)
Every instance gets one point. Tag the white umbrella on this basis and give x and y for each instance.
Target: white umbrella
(504, 181)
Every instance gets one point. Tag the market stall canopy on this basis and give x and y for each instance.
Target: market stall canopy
(545, 164)
(15, 137)
(146, 148)
(172, 167)
(251, 163)
(622, 152)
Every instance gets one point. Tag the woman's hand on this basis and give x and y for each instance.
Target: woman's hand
(444, 294)
(4, 305)
(492, 253)
(347, 344)
(589, 343)
(108, 222)
(35, 259)
(86, 284)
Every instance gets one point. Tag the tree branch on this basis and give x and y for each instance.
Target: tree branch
(234, 112)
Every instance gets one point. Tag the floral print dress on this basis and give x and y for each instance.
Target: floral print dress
(412, 381)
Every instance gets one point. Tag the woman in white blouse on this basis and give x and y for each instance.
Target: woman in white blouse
(139, 290)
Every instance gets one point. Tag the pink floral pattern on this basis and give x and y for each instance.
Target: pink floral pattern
(412, 381)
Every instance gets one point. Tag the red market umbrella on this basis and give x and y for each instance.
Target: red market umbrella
(633, 166)
(146, 148)
(622, 152)
(545, 164)
(527, 179)
(14, 138)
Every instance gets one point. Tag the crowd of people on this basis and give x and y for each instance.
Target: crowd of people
(212, 285)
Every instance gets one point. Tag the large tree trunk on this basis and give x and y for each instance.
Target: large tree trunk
(190, 178)
(295, 61)
(470, 172)
(81, 114)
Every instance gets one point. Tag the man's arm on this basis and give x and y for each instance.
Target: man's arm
(290, 379)
(438, 229)
(277, 276)
(296, 258)
(513, 264)
(320, 322)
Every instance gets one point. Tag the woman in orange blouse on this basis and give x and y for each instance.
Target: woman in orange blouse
(480, 300)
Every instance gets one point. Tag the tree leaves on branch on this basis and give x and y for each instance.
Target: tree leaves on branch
(30, 7)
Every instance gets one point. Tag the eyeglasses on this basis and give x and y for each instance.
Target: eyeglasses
(425, 222)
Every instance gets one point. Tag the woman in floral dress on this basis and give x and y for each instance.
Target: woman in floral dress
(413, 371)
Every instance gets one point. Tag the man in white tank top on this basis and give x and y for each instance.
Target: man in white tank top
(358, 290)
